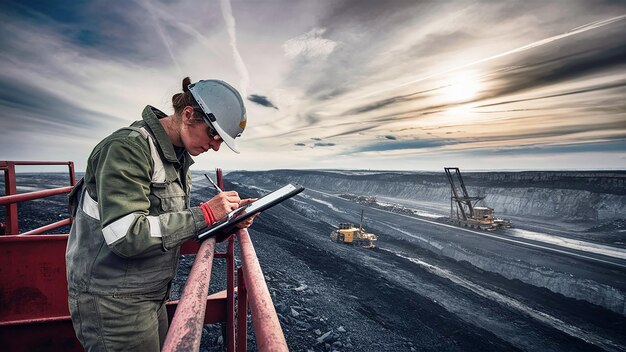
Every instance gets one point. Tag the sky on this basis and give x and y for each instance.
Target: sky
(328, 84)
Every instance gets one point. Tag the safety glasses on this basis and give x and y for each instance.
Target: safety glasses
(212, 132)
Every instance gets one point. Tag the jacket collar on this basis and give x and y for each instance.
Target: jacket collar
(151, 116)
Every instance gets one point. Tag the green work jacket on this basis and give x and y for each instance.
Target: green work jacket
(133, 213)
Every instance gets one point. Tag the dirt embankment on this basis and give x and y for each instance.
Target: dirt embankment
(598, 197)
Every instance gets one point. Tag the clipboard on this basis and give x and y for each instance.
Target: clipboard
(228, 222)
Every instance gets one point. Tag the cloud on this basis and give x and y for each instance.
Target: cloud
(231, 24)
(574, 66)
(309, 46)
(99, 28)
(595, 88)
(593, 27)
(558, 64)
(352, 131)
(377, 105)
(364, 76)
(42, 111)
(414, 144)
(261, 100)
(445, 42)
(587, 147)
(162, 34)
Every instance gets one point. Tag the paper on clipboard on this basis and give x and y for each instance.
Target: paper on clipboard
(240, 214)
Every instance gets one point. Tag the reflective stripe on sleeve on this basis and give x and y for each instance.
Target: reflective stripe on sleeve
(155, 226)
(118, 228)
(90, 206)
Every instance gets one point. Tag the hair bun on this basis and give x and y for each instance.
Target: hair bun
(176, 97)
(186, 83)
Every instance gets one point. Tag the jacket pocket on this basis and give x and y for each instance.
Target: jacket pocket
(170, 195)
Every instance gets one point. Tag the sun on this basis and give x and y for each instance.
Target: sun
(462, 87)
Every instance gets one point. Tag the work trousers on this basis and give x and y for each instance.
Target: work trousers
(119, 323)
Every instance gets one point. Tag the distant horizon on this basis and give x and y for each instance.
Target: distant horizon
(350, 170)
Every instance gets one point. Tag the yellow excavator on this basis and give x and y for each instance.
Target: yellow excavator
(349, 234)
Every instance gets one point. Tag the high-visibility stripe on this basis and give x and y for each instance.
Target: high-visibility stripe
(158, 174)
(118, 228)
(155, 226)
(90, 206)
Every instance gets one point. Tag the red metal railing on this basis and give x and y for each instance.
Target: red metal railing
(11, 198)
(269, 335)
(186, 327)
(34, 315)
(183, 334)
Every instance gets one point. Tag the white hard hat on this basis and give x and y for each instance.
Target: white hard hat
(223, 109)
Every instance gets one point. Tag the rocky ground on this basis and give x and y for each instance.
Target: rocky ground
(311, 304)
(325, 303)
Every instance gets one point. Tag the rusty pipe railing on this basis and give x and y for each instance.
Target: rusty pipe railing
(49, 227)
(11, 197)
(9, 167)
(242, 309)
(23, 197)
(185, 331)
(36, 163)
(269, 334)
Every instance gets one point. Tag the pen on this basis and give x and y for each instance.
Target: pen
(213, 183)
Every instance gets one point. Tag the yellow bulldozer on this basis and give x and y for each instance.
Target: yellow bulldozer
(349, 234)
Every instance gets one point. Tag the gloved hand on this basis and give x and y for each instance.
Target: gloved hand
(219, 206)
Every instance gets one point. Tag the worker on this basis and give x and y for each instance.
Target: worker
(134, 213)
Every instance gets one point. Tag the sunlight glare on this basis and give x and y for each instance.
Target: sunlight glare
(459, 115)
(462, 87)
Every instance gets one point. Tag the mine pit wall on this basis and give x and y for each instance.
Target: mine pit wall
(559, 282)
(555, 281)
(537, 201)
(569, 196)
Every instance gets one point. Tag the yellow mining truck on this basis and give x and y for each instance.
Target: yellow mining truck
(349, 234)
